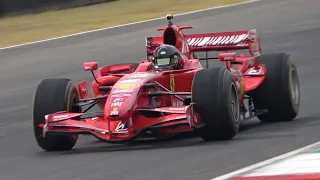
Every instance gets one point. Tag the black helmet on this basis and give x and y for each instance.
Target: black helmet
(166, 57)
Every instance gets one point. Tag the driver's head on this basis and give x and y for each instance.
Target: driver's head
(166, 57)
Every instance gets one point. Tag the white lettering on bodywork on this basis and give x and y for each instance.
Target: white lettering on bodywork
(122, 91)
(176, 109)
(116, 104)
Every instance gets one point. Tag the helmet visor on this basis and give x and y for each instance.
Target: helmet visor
(163, 61)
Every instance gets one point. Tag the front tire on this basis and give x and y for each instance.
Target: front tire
(216, 99)
(53, 95)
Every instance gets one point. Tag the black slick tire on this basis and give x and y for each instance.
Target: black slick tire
(279, 93)
(53, 95)
(215, 95)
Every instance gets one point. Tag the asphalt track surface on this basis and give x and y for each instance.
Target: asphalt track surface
(291, 26)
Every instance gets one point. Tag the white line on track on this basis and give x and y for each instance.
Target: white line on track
(144, 21)
(266, 162)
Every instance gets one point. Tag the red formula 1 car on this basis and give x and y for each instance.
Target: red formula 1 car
(144, 101)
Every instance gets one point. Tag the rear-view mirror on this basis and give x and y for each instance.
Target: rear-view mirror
(227, 56)
(90, 66)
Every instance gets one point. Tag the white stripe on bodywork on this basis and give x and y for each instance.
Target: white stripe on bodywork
(204, 41)
(211, 40)
(194, 42)
(230, 40)
(238, 40)
(199, 40)
(217, 40)
(191, 41)
(223, 41)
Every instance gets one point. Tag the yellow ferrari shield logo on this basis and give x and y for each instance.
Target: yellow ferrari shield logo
(172, 85)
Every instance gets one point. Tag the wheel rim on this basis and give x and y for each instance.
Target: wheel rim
(294, 86)
(235, 106)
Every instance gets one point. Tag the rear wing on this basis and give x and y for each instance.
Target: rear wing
(233, 40)
(217, 41)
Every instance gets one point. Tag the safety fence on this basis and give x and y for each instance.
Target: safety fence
(13, 7)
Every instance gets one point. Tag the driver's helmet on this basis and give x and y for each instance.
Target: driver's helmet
(166, 57)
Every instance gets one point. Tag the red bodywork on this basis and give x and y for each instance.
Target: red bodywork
(131, 100)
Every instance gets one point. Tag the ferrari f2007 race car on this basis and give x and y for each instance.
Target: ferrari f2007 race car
(146, 100)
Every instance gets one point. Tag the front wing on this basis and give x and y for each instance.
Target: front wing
(117, 130)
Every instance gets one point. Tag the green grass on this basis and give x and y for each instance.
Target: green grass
(27, 28)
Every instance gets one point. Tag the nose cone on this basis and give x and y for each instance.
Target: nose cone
(124, 94)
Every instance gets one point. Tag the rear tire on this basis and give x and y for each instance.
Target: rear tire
(279, 93)
(216, 99)
(53, 95)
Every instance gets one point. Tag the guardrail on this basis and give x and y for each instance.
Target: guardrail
(14, 7)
